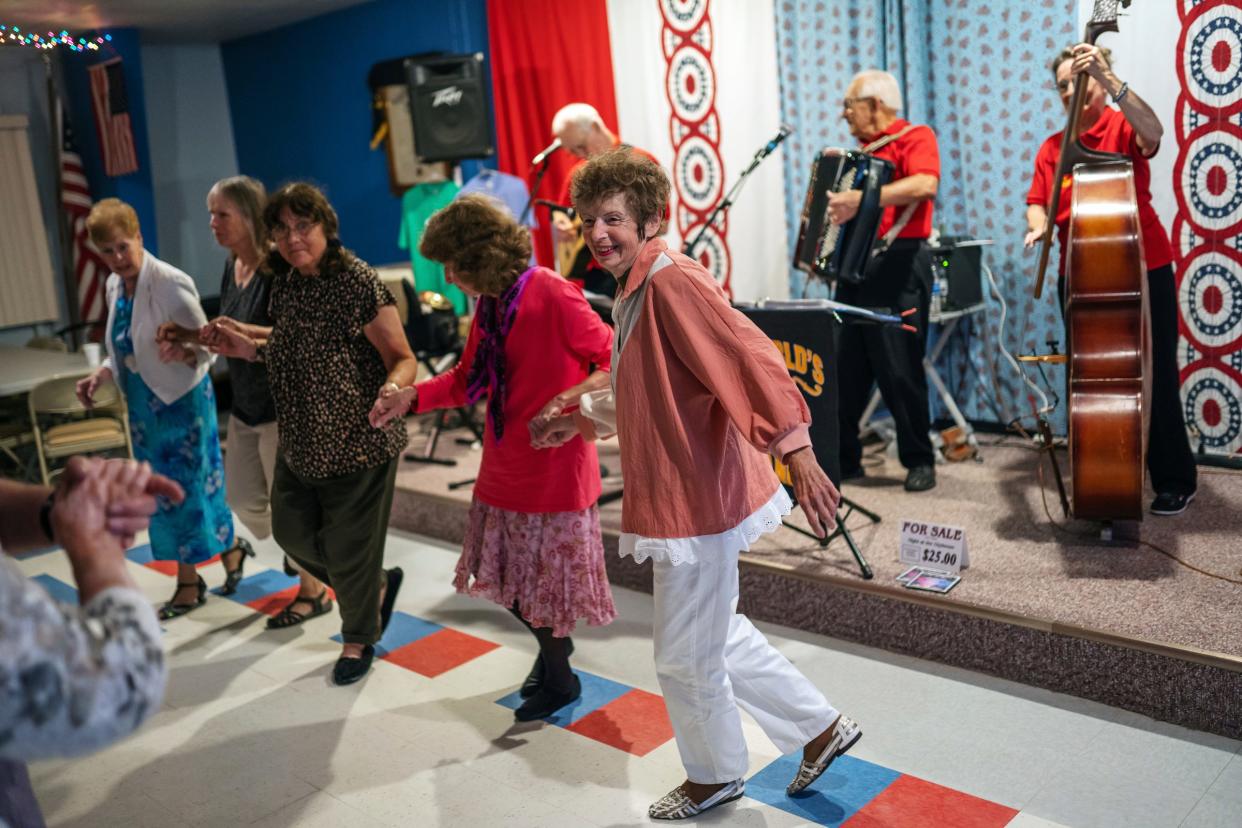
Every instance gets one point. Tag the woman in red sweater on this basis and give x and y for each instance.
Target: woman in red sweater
(533, 542)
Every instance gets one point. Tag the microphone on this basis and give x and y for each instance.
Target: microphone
(548, 150)
(553, 207)
(784, 132)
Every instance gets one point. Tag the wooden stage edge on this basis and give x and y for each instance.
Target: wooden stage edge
(1169, 682)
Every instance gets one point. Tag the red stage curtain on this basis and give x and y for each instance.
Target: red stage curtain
(545, 54)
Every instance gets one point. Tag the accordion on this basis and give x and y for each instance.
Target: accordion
(840, 251)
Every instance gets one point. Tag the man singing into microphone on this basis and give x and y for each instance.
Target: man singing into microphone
(889, 356)
(579, 129)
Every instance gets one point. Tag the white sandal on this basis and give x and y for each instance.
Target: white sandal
(845, 736)
(676, 805)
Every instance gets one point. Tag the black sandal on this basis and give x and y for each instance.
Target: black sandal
(232, 578)
(289, 617)
(172, 610)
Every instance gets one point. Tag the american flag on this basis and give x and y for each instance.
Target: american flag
(89, 269)
(111, 105)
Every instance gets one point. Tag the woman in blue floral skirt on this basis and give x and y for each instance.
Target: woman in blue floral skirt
(172, 408)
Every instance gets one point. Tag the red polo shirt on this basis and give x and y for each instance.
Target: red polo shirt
(914, 153)
(1111, 133)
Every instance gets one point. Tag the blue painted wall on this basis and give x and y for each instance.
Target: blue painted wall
(135, 188)
(301, 107)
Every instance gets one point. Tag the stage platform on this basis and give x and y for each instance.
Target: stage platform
(1044, 602)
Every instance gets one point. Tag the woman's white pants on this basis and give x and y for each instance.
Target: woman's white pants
(710, 660)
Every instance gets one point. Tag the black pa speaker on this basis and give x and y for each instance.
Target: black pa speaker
(449, 107)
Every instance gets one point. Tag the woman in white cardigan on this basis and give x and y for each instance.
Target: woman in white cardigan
(172, 407)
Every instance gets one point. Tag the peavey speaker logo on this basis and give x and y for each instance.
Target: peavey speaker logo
(448, 96)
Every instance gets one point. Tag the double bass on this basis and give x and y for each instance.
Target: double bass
(1106, 316)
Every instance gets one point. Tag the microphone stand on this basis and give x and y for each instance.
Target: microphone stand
(543, 170)
(728, 200)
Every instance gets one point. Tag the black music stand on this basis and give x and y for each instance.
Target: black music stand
(806, 336)
(847, 508)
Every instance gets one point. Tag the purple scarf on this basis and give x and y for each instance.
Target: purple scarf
(487, 373)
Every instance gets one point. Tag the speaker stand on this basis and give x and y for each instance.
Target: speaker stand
(842, 532)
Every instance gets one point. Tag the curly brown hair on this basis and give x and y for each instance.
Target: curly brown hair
(480, 240)
(307, 201)
(635, 176)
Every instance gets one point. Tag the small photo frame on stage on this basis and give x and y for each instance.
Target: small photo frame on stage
(932, 582)
(909, 575)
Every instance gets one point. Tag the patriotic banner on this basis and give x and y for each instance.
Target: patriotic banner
(111, 108)
(654, 70)
(90, 272)
(1185, 58)
(684, 95)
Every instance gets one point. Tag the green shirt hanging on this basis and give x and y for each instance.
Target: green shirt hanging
(417, 205)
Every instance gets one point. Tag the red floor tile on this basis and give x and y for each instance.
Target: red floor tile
(439, 652)
(170, 567)
(274, 602)
(917, 803)
(636, 723)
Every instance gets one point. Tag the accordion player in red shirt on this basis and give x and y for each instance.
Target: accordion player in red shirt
(890, 357)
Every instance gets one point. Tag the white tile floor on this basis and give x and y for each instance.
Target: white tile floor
(252, 732)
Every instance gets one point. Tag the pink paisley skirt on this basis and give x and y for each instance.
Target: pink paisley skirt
(551, 564)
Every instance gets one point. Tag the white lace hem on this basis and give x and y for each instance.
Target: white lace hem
(677, 551)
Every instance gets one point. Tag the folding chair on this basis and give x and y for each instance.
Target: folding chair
(63, 427)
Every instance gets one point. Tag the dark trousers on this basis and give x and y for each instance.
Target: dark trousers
(1170, 463)
(335, 529)
(18, 806)
(887, 356)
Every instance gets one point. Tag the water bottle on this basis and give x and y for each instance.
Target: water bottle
(936, 299)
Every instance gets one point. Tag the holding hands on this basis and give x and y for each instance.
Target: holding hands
(553, 432)
(98, 507)
(552, 427)
(177, 344)
(392, 402)
(227, 337)
(97, 498)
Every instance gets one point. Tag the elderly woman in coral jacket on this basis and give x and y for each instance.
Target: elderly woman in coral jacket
(700, 402)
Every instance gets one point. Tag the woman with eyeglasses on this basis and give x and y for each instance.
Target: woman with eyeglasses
(334, 343)
(168, 394)
(236, 206)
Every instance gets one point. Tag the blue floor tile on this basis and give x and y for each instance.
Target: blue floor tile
(403, 629)
(256, 586)
(596, 692)
(141, 554)
(35, 553)
(844, 789)
(58, 589)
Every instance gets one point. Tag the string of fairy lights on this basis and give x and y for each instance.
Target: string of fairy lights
(14, 36)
